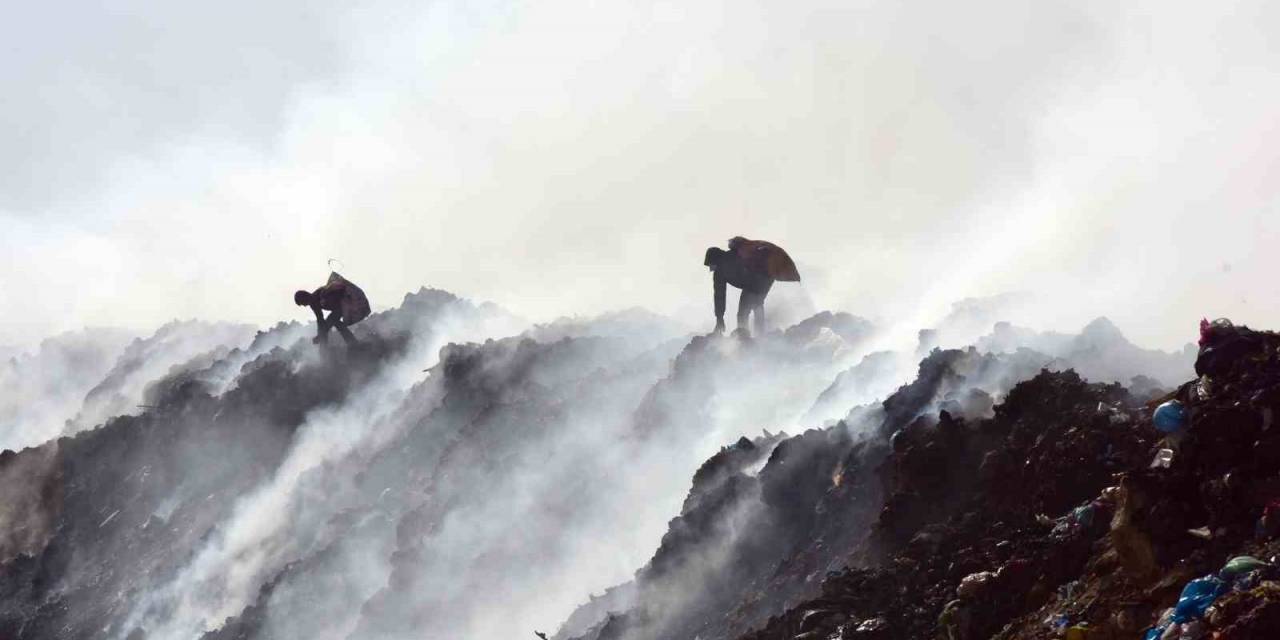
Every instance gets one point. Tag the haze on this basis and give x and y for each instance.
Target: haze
(203, 161)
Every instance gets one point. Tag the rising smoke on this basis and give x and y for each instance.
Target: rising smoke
(558, 158)
(273, 489)
(473, 474)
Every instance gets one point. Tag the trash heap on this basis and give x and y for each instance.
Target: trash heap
(757, 534)
(1078, 511)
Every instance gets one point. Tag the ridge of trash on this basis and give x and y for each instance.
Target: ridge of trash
(761, 544)
(1070, 514)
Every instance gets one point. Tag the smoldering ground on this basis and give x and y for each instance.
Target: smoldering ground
(563, 158)
(274, 489)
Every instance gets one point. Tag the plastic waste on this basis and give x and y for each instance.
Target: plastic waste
(1058, 623)
(1163, 459)
(1240, 565)
(1196, 597)
(1162, 625)
(1268, 525)
(1077, 632)
(1193, 630)
(1204, 388)
(1084, 515)
(873, 625)
(1170, 417)
(1081, 517)
(974, 583)
(1114, 414)
(1208, 329)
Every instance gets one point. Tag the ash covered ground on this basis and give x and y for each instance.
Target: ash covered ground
(463, 474)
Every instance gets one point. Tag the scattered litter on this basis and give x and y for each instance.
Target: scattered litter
(1239, 565)
(109, 518)
(1196, 598)
(1204, 388)
(1268, 525)
(1077, 632)
(1170, 417)
(974, 584)
(1058, 623)
(1203, 533)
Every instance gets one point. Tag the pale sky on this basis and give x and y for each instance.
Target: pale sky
(165, 160)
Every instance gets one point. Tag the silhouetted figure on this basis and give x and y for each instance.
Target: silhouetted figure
(345, 301)
(752, 266)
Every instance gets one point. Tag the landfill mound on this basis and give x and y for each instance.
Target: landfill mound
(94, 522)
(462, 474)
(249, 486)
(77, 380)
(1069, 514)
(757, 536)
(766, 517)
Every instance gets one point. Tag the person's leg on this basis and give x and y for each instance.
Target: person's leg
(759, 309)
(344, 331)
(745, 302)
(327, 324)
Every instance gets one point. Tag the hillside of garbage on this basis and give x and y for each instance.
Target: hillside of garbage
(1079, 510)
(462, 473)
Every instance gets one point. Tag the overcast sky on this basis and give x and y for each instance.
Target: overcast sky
(162, 159)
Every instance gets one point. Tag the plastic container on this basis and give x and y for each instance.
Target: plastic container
(1170, 417)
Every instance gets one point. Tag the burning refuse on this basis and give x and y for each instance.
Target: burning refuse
(268, 481)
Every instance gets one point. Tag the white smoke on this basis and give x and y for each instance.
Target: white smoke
(45, 388)
(175, 345)
(259, 538)
(487, 498)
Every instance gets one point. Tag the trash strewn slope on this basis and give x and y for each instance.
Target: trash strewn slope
(464, 475)
(1068, 514)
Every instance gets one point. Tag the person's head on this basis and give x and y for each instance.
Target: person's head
(714, 257)
(302, 298)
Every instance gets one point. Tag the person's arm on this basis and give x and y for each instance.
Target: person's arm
(719, 284)
(317, 299)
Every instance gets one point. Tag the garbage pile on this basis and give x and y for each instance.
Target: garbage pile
(774, 534)
(94, 523)
(1078, 511)
(277, 487)
(107, 500)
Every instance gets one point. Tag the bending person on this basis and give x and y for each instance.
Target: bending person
(345, 302)
(752, 266)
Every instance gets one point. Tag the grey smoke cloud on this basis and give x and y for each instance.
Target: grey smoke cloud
(485, 497)
(47, 387)
(164, 161)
